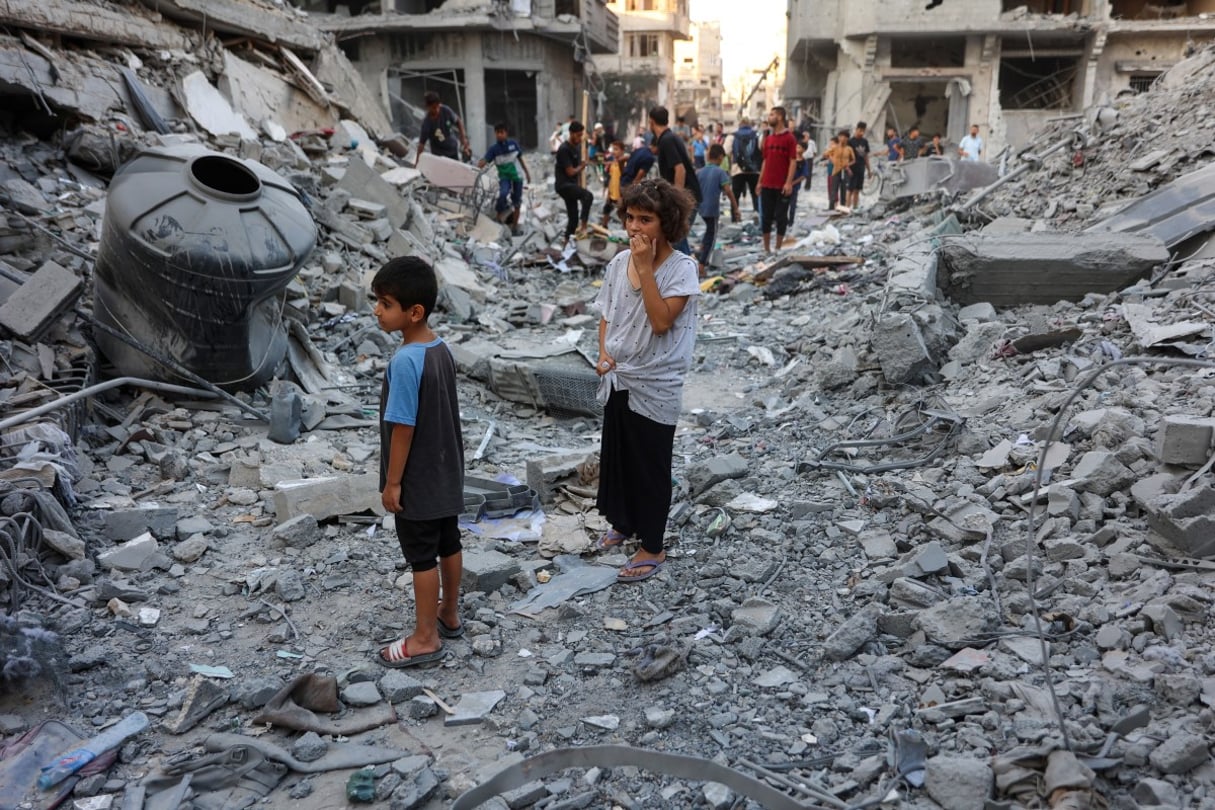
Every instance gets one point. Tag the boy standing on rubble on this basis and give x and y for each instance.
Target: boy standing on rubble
(611, 190)
(714, 181)
(421, 458)
(508, 158)
(568, 185)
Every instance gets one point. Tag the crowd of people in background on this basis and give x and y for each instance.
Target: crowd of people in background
(771, 164)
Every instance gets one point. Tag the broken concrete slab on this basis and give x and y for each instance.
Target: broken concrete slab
(1186, 519)
(473, 707)
(132, 27)
(349, 91)
(211, 110)
(457, 273)
(1043, 268)
(957, 621)
(936, 173)
(362, 182)
(1172, 213)
(1101, 472)
(899, 345)
(262, 95)
(31, 309)
(328, 496)
(487, 570)
(1185, 441)
(545, 475)
(131, 555)
(704, 476)
(261, 21)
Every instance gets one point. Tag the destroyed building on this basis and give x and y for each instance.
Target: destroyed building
(641, 73)
(1007, 65)
(942, 497)
(698, 75)
(490, 60)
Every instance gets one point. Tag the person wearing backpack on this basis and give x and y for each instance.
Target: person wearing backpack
(745, 155)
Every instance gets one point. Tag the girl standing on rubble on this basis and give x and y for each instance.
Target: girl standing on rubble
(647, 331)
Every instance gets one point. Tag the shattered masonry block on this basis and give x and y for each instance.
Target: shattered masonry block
(708, 474)
(487, 570)
(300, 531)
(1185, 441)
(1186, 520)
(545, 474)
(327, 497)
(1008, 270)
(131, 555)
(361, 180)
(48, 292)
(125, 524)
(899, 345)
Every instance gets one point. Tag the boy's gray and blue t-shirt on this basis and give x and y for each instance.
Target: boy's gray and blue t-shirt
(420, 390)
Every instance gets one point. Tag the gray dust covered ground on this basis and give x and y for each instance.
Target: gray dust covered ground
(851, 625)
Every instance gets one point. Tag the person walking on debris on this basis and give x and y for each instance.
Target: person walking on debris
(744, 154)
(674, 165)
(860, 163)
(569, 167)
(840, 156)
(714, 181)
(647, 334)
(776, 178)
(971, 146)
(507, 156)
(803, 169)
(597, 150)
(440, 128)
(611, 189)
(639, 163)
(421, 458)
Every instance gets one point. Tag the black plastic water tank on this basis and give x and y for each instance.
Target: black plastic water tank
(197, 248)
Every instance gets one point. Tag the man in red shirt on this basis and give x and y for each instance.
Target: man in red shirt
(776, 177)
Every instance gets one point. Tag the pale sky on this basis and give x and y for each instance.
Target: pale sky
(752, 32)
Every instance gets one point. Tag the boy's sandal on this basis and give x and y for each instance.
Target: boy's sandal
(396, 656)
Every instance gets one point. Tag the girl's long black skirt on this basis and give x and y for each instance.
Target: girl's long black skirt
(635, 472)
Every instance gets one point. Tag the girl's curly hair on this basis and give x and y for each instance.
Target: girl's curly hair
(672, 205)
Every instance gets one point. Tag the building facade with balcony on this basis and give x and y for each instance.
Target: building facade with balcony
(1007, 65)
(699, 75)
(519, 61)
(642, 72)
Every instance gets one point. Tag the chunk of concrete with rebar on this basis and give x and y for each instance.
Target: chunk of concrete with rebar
(1008, 270)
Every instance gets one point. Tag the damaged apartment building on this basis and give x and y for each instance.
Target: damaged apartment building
(1007, 65)
(522, 61)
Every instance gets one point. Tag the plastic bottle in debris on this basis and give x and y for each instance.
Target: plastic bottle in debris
(67, 764)
(360, 787)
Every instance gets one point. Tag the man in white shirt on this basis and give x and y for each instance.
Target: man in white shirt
(971, 146)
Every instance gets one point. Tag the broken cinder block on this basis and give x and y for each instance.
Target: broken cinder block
(327, 497)
(545, 475)
(47, 293)
(1185, 441)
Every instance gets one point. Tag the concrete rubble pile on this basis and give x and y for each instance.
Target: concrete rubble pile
(876, 534)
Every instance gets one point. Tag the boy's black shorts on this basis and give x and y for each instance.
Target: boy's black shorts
(424, 541)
